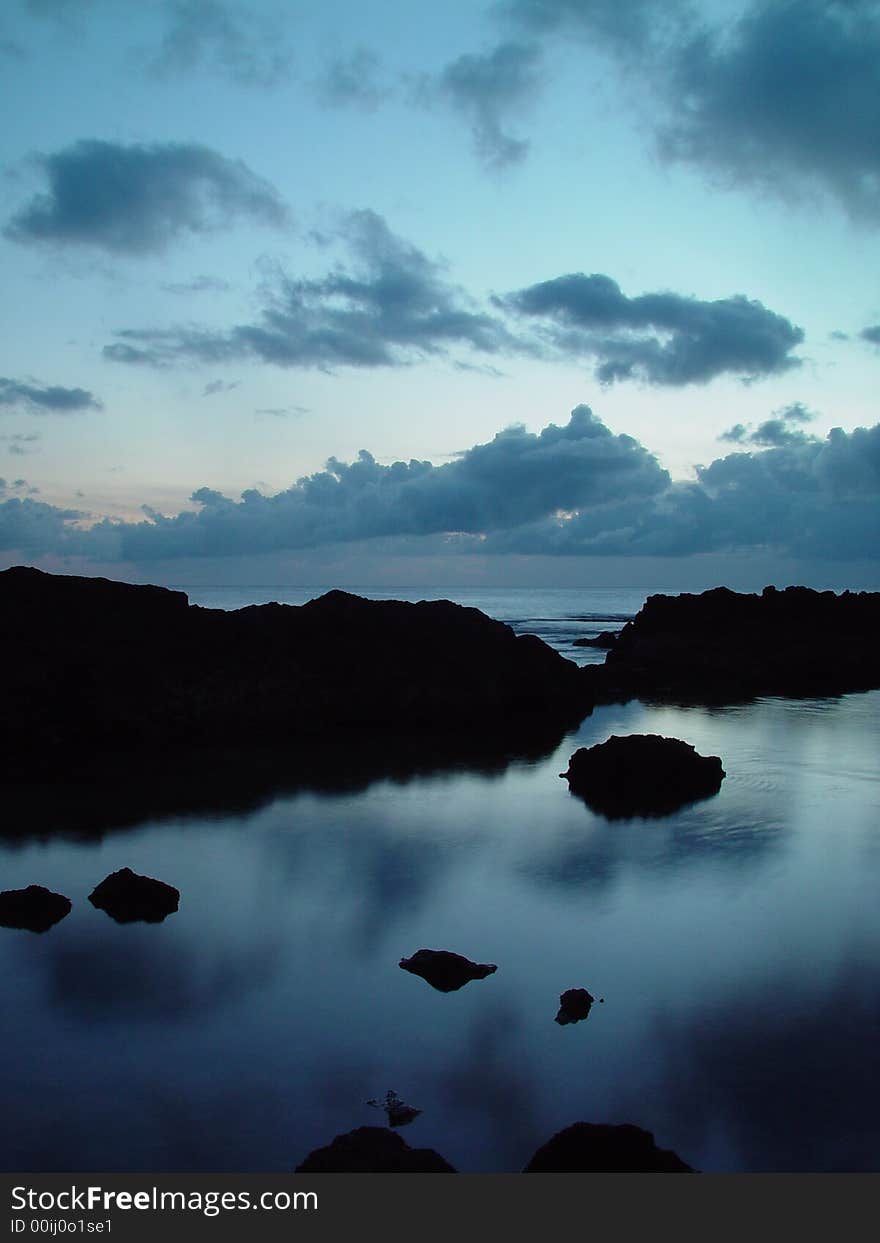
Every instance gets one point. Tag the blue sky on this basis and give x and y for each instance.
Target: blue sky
(552, 291)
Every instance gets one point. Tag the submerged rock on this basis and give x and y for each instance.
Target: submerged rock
(34, 909)
(574, 1005)
(444, 970)
(127, 897)
(605, 638)
(373, 1150)
(586, 1148)
(642, 775)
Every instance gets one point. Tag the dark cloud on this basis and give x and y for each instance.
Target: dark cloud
(52, 399)
(788, 99)
(354, 81)
(485, 88)
(137, 199)
(18, 441)
(233, 40)
(628, 25)
(220, 386)
(871, 334)
(34, 528)
(392, 304)
(663, 338)
(775, 431)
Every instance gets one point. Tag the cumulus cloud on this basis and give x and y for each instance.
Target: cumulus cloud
(391, 304)
(245, 47)
(626, 26)
(137, 199)
(51, 399)
(871, 334)
(485, 88)
(775, 431)
(663, 338)
(353, 81)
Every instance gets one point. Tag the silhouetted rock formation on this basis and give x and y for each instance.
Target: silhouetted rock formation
(35, 909)
(446, 971)
(373, 1150)
(574, 1005)
(127, 897)
(588, 1148)
(106, 662)
(605, 638)
(642, 775)
(724, 647)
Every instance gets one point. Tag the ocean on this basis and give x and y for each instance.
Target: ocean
(734, 944)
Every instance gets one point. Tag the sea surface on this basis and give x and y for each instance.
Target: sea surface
(735, 945)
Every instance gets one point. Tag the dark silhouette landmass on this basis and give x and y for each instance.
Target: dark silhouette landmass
(575, 1005)
(34, 909)
(446, 971)
(642, 775)
(95, 661)
(605, 638)
(128, 897)
(589, 1148)
(726, 647)
(373, 1150)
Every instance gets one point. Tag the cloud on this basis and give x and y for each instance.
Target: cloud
(626, 26)
(353, 81)
(485, 88)
(220, 386)
(392, 304)
(18, 441)
(200, 284)
(575, 490)
(871, 334)
(775, 431)
(137, 199)
(244, 47)
(53, 399)
(787, 99)
(663, 338)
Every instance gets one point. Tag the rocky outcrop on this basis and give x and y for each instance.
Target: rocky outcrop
(446, 971)
(605, 638)
(642, 775)
(574, 1006)
(588, 1148)
(35, 909)
(726, 647)
(373, 1150)
(128, 897)
(101, 662)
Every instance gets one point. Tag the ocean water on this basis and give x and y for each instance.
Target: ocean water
(735, 944)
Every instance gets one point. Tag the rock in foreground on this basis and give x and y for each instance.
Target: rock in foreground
(574, 1005)
(588, 1148)
(373, 1150)
(642, 775)
(127, 897)
(34, 909)
(444, 970)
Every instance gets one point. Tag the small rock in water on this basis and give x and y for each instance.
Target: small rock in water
(34, 909)
(127, 897)
(444, 970)
(396, 1110)
(574, 1005)
(642, 775)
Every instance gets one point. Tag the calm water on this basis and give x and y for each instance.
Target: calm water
(735, 944)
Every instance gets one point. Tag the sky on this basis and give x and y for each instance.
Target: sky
(526, 292)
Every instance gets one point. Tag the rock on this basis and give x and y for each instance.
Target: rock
(127, 897)
(588, 1148)
(114, 664)
(574, 1005)
(373, 1150)
(396, 1110)
(444, 970)
(35, 909)
(725, 647)
(606, 638)
(642, 775)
